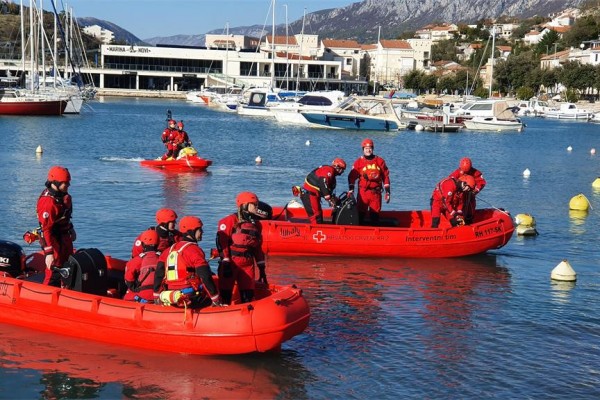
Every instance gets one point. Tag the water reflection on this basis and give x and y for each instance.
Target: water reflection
(177, 186)
(561, 290)
(577, 219)
(364, 303)
(74, 368)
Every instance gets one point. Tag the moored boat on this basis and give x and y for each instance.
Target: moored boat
(278, 313)
(398, 234)
(568, 111)
(15, 102)
(187, 161)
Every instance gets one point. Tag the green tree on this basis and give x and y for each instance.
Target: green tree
(444, 50)
(586, 28)
(547, 43)
(525, 93)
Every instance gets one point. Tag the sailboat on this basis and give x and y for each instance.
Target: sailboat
(29, 101)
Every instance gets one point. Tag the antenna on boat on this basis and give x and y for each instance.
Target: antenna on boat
(169, 117)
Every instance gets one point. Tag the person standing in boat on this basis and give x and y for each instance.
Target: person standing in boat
(139, 271)
(465, 167)
(321, 182)
(165, 228)
(239, 242)
(373, 179)
(167, 138)
(448, 199)
(183, 267)
(54, 211)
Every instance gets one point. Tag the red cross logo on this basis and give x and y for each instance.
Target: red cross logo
(319, 236)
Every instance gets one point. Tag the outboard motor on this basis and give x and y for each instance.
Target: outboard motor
(12, 259)
(264, 211)
(345, 212)
(87, 272)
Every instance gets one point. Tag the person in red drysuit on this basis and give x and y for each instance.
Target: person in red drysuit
(54, 211)
(465, 167)
(183, 266)
(239, 242)
(167, 138)
(139, 271)
(182, 139)
(448, 199)
(165, 228)
(373, 178)
(321, 182)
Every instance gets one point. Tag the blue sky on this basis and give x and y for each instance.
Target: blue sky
(150, 18)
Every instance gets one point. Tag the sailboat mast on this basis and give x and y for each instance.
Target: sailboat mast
(492, 66)
(273, 49)
(22, 39)
(287, 57)
(301, 52)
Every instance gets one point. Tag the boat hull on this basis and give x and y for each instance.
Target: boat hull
(43, 107)
(278, 314)
(406, 234)
(191, 163)
(353, 122)
(491, 124)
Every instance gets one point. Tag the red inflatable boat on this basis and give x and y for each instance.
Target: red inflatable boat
(187, 161)
(278, 313)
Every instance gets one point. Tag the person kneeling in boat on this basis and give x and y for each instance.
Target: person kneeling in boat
(165, 228)
(321, 182)
(465, 167)
(239, 242)
(139, 271)
(167, 138)
(54, 210)
(183, 274)
(448, 198)
(373, 178)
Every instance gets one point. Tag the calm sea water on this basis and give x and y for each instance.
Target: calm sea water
(492, 326)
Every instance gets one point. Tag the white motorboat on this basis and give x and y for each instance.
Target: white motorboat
(290, 112)
(502, 119)
(568, 111)
(595, 117)
(259, 103)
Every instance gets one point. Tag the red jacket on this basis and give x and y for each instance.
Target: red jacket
(234, 238)
(321, 181)
(449, 193)
(54, 215)
(475, 173)
(371, 174)
(167, 135)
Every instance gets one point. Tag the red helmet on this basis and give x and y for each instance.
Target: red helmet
(180, 125)
(465, 164)
(367, 142)
(172, 122)
(165, 215)
(190, 223)
(246, 197)
(340, 163)
(469, 180)
(149, 237)
(59, 174)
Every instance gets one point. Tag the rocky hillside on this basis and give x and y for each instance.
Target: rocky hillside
(361, 20)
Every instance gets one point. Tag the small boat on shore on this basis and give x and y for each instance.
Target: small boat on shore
(397, 234)
(188, 160)
(90, 308)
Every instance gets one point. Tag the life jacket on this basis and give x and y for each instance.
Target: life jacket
(64, 207)
(177, 272)
(371, 172)
(244, 239)
(145, 280)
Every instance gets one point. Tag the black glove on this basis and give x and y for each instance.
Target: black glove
(262, 275)
(225, 268)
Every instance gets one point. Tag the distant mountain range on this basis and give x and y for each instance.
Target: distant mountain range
(361, 20)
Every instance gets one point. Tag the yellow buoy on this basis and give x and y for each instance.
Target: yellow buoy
(564, 272)
(39, 150)
(579, 202)
(596, 183)
(526, 230)
(525, 220)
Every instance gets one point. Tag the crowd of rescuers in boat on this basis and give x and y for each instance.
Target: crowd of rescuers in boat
(174, 138)
(453, 197)
(168, 267)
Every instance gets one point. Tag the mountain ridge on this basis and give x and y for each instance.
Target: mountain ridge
(361, 21)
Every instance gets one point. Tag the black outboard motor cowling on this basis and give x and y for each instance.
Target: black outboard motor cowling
(264, 211)
(87, 272)
(12, 259)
